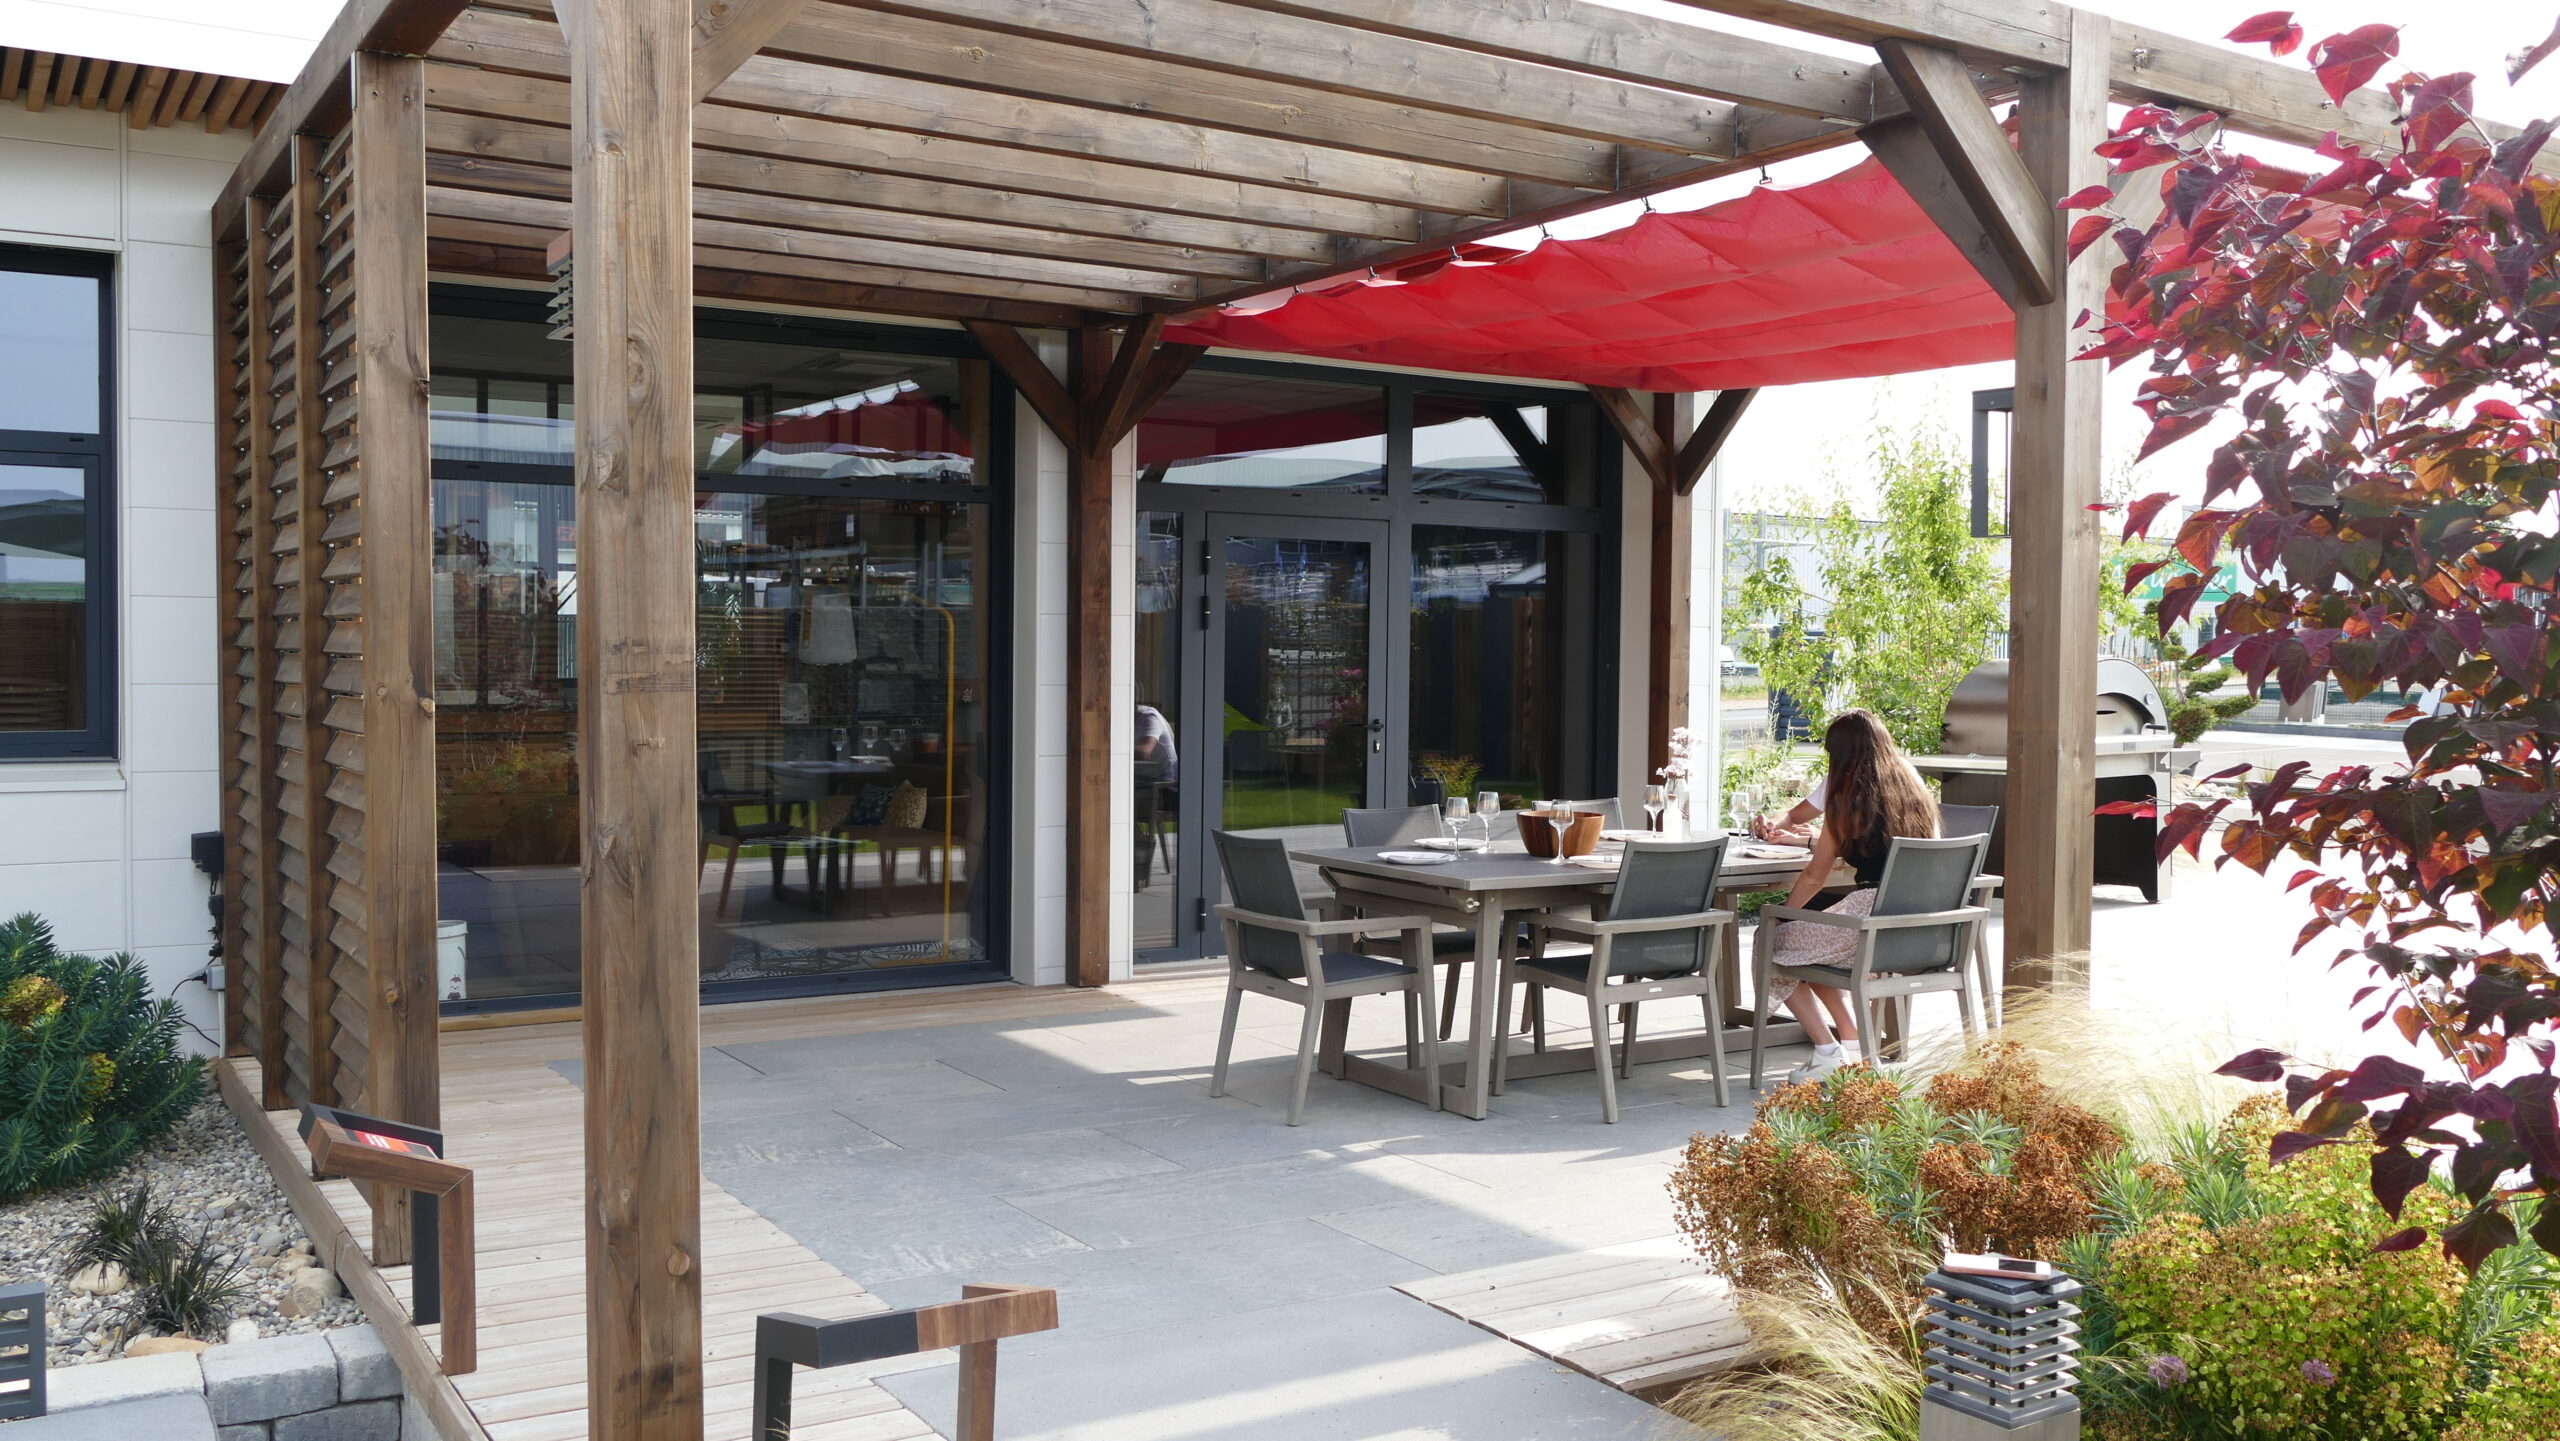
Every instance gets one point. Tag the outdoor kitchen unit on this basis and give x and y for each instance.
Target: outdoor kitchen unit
(1972, 765)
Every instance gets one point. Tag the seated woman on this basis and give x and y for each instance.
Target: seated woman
(1870, 795)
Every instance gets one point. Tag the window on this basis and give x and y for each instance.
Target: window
(57, 625)
(1257, 432)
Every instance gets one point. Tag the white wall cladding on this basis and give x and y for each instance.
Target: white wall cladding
(100, 847)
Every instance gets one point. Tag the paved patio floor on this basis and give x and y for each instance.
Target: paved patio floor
(1223, 1275)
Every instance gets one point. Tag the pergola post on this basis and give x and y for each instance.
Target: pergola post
(631, 137)
(387, 176)
(2053, 547)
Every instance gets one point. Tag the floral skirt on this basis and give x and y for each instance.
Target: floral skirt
(1809, 943)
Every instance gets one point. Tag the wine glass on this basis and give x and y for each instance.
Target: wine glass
(1559, 820)
(1656, 798)
(1489, 808)
(1453, 818)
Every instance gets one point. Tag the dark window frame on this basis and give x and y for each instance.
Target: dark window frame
(95, 452)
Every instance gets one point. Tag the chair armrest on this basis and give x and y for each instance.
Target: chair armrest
(1874, 923)
(1581, 926)
(1356, 925)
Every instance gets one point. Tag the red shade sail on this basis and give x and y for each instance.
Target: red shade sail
(1839, 279)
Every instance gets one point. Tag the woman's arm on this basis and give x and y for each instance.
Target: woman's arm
(1817, 869)
(1795, 827)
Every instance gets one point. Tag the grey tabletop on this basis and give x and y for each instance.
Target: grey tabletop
(1514, 869)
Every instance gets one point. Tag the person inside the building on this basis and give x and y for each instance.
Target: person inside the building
(1869, 795)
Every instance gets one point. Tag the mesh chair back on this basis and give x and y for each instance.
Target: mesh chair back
(1666, 879)
(1921, 877)
(1612, 816)
(1259, 879)
(1389, 825)
(1956, 822)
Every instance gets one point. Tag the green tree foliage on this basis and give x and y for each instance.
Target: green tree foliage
(1915, 598)
(90, 1065)
(2188, 682)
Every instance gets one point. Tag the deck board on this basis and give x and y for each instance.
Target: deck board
(1641, 1316)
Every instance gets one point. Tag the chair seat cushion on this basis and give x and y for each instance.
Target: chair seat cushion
(1343, 966)
(1819, 975)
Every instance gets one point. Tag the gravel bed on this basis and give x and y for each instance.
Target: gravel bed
(213, 1181)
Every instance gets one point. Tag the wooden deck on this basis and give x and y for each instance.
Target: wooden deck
(518, 1123)
(1641, 1316)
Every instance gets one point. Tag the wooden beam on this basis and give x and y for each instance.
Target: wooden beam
(1597, 39)
(386, 176)
(1902, 145)
(511, 178)
(782, 178)
(1667, 614)
(892, 42)
(1262, 47)
(2053, 544)
(863, 136)
(1108, 283)
(261, 784)
(1113, 412)
(1031, 376)
(2010, 222)
(1023, 123)
(40, 79)
(726, 33)
(1090, 714)
(317, 99)
(641, 878)
(1635, 425)
(311, 624)
(1163, 370)
(1699, 451)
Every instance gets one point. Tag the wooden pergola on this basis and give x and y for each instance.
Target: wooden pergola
(1090, 167)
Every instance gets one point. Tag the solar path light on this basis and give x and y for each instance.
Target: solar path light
(1999, 1353)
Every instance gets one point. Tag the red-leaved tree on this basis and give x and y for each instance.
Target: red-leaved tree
(2384, 334)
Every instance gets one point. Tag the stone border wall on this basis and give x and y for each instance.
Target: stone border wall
(325, 1386)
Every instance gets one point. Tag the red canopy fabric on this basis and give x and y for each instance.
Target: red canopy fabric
(1834, 280)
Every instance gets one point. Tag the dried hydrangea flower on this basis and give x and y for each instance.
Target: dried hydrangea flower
(2319, 1373)
(2168, 1370)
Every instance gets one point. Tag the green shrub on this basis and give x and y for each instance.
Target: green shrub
(90, 1065)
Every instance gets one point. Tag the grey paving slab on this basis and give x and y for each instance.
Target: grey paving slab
(365, 1368)
(735, 1137)
(996, 1113)
(129, 1378)
(1377, 1365)
(715, 1067)
(963, 1238)
(156, 1418)
(1245, 1135)
(843, 1088)
(1139, 1288)
(1190, 1203)
(270, 1377)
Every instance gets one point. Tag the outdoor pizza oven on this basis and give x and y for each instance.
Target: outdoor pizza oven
(1972, 763)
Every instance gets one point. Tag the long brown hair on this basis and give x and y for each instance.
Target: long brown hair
(1874, 794)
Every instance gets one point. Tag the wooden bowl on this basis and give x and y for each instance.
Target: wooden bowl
(1580, 838)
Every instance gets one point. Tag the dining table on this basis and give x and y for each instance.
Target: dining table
(1487, 892)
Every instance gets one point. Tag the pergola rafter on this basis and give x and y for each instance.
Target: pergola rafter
(1087, 167)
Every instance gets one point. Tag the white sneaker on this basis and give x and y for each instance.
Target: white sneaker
(1816, 1066)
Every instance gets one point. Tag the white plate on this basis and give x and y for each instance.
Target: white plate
(1417, 858)
(1593, 863)
(1630, 835)
(1775, 853)
(1444, 843)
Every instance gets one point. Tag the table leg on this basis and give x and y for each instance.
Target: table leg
(1485, 1027)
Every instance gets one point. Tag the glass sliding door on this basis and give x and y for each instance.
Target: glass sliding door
(1160, 734)
(1293, 641)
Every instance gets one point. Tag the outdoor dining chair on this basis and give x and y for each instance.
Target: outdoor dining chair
(1613, 816)
(1275, 949)
(1385, 826)
(1915, 941)
(1656, 939)
(1954, 821)
(724, 824)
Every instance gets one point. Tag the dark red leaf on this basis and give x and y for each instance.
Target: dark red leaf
(2138, 572)
(2086, 230)
(2178, 597)
(2200, 539)
(2395, 1174)
(2184, 829)
(2506, 809)
(2289, 1144)
(2438, 110)
(2173, 427)
(2139, 514)
(2378, 1076)
(2265, 1064)
(2408, 1240)
(2087, 197)
(2476, 1237)
(2345, 62)
(2144, 809)
(2536, 1124)
(2275, 29)
(2495, 410)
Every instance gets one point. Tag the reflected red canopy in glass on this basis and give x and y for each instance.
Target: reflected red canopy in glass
(1835, 280)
